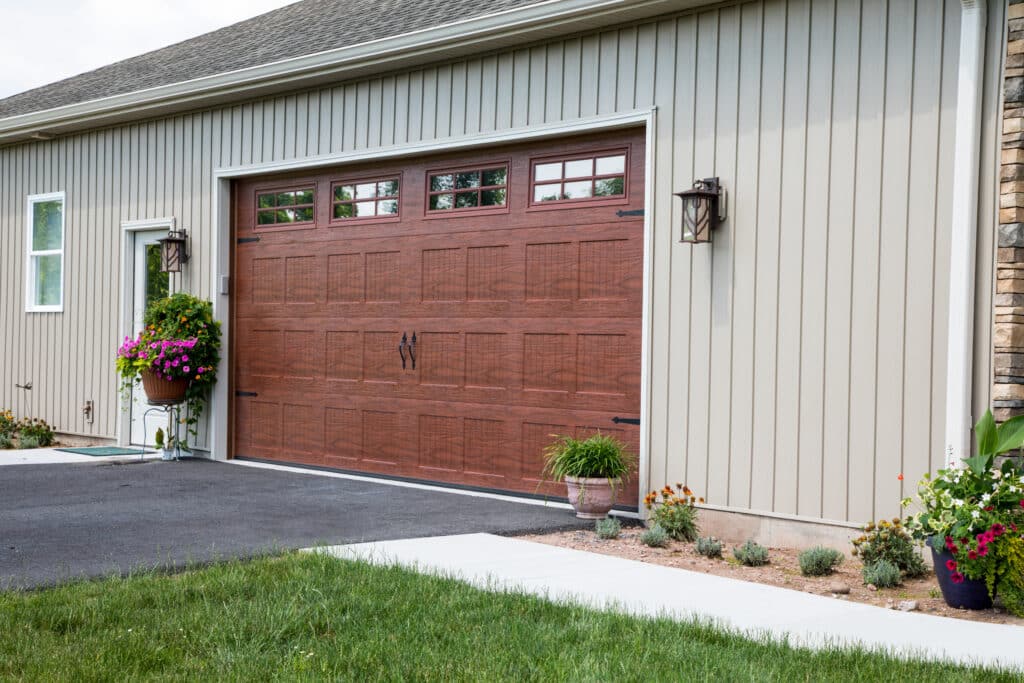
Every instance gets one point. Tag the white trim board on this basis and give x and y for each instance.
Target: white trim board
(221, 251)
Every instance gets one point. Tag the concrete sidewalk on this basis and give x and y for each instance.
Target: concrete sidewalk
(51, 456)
(814, 621)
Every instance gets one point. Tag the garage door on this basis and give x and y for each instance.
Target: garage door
(441, 318)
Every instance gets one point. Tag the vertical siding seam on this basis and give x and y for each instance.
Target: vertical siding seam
(878, 255)
(732, 269)
(803, 247)
(711, 267)
(935, 218)
(778, 251)
(689, 252)
(853, 243)
(757, 202)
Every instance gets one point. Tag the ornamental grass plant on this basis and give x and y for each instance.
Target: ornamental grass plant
(597, 457)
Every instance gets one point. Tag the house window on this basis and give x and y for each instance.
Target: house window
(479, 188)
(45, 252)
(374, 198)
(284, 207)
(585, 178)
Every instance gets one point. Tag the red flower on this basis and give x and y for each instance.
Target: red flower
(998, 529)
(989, 508)
(951, 565)
(957, 577)
(983, 550)
(900, 476)
(972, 555)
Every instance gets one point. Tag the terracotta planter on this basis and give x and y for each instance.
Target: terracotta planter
(163, 392)
(971, 594)
(592, 498)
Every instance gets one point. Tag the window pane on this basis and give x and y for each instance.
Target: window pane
(285, 198)
(265, 217)
(577, 190)
(304, 214)
(608, 187)
(387, 188)
(47, 274)
(387, 206)
(157, 282)
(344, 193)
(610, 165)
(495, 176)
(285, 216)
(546, 193)
(440, 183)
(465, 199)
(344, 211)
(465, 180)
(364, 209)
(492, 198)
(265, 201)
(304, 197)
(46, 225)
(366, 190)
(579, 168)
(548, 171)
(441, 201)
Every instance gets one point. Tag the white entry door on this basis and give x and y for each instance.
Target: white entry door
(148, 284)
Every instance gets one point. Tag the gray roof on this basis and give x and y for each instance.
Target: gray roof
(303, 28)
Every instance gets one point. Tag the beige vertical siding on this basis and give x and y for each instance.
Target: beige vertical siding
(798, 363)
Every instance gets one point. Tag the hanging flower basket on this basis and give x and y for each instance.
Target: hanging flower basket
(163, 392)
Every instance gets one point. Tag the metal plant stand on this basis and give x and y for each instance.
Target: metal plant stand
(171, 411)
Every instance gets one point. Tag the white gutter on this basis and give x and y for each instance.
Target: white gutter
(461, 37)
(964, 214)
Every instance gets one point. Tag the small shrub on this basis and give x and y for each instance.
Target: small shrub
(608, 528)
(889, 541)
(8, 425)
(751, 554)
(709, 546)
(28, 442)
(819, 561)
(675, 511)
(158, 438)
(6, 442)
(37, 430)
(883, 574)
(655, 537)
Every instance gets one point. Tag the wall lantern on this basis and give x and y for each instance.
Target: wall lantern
(703, 210)
(173, 251)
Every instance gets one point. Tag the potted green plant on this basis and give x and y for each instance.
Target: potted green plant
(593, 469)
(972, 518)
(166, 449)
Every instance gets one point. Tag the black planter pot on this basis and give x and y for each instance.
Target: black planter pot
(971, 594)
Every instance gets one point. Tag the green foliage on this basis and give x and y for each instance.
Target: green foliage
(306, 616)
(1007, 579)
(598, 456)
(607, 528)
(882, 574)
(675, 511)
(819, 561)
(8, 424)
(709, 546)
(158, 438)
(994, 440)
(655, 537)
(34, 431)
(6, 441)
(889, 541)
(751, 554)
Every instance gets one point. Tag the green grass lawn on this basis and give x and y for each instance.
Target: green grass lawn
(313, 617)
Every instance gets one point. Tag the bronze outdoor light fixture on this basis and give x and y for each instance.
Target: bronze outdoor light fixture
(173, 251)
(703, 210)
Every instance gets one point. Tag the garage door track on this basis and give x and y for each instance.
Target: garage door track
(60, 522)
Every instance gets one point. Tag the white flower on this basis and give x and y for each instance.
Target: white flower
(957, 502)
(996, 474)
(1013, 489)
(986, 497)
(975, 514)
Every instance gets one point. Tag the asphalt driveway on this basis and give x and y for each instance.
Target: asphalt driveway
(60, 522)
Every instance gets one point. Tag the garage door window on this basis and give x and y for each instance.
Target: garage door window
(375, 198)
(468, 189)
(593, 177)
(284, 207)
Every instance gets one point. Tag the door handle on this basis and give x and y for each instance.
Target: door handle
(401, 349)
(412, 350)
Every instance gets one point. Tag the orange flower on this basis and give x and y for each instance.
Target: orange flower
(900, 476)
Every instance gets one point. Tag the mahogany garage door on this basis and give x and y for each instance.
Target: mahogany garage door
(441, 318)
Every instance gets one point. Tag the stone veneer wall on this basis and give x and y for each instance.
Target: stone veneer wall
(1008, 361)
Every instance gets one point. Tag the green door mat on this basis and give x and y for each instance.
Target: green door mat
(104, 450)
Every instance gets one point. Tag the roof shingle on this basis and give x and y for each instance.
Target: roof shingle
(300, 29)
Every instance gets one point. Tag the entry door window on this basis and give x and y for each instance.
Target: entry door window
(157, 282)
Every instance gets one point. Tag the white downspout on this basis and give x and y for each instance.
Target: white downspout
(964, 214)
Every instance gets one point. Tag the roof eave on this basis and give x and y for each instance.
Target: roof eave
(534, 22)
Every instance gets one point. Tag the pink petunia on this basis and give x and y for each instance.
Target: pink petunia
(957, 577)
(951, 565)
(186, 369)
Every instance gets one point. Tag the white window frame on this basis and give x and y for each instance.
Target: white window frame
(30, 265)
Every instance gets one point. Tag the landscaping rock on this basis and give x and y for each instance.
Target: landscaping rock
(838, 588)
(908, 605)
(872, 587)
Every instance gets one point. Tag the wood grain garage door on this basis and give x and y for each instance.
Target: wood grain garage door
(526, 316)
